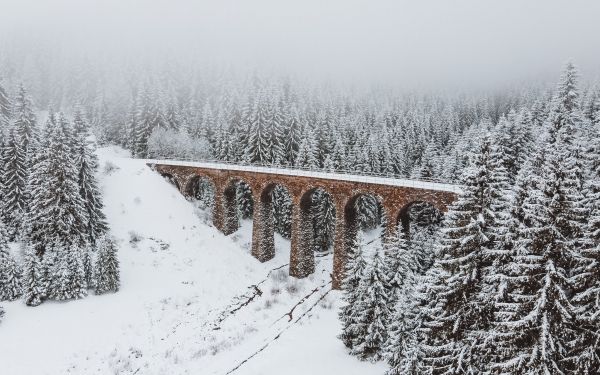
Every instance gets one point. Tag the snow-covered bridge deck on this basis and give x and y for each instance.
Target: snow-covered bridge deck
(350, 177)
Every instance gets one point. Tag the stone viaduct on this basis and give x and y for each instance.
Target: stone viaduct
(395, 195)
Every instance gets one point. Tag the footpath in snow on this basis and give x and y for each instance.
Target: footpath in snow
(192, 300)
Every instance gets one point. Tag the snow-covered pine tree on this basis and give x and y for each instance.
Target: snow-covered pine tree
(10, 270)
(5, 110)
(87, 165)
(401, 349)
(282, 211)
(258, 138)
(23, 119)
(68, 273)
(398, 260)
(292, 135)
(458, 312)
(354, 269)
(373, 310)
(307, 151)
(107, 277)
(243, 197)
(56, 208)
(541, 331)
(587, 295)
(14, 178)
(34, 277)
(323, 215)
(144, 123)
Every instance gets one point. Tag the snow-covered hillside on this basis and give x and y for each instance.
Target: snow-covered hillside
(192, 300)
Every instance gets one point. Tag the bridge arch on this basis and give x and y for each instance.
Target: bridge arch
(201, 188)
(303, 246)
(173, 180)
(422, 211)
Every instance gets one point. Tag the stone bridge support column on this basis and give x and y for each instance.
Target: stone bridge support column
(225, 210)
(302, 258)
(345, 233)
(263, 242)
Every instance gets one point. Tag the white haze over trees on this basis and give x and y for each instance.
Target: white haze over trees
(464, 92)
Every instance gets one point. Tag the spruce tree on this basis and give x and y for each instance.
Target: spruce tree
(5, 110)
(23, 119)
(354, 269)
(307, 151)
(107, 267)
(34, 277)
(459, 312)
(144, 122)
(10, 270)
(68, 273)
(14, 177)
(540, 332)
(87, 165)
(373, 310)
(56, 207)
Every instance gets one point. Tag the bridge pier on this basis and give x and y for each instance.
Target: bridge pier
(225, 217)
(302, 259)
(346, 229)
(263, 241)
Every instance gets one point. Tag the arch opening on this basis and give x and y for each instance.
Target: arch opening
(421, 222)
(170, 179)
(201, 191)
(364, 212)
(238, 205)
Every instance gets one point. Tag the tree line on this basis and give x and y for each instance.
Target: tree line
(50, 207)
(515, 282)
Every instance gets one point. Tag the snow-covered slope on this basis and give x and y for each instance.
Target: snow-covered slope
(192, 300)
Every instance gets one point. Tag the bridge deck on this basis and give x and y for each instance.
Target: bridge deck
(315, 174)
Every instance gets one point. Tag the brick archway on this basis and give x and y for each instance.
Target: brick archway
(394, 195)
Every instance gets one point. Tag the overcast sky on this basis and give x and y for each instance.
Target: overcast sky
(412, 42)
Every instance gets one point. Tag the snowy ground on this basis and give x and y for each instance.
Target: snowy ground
(192, 300)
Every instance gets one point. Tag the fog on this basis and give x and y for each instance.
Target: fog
(407, 43)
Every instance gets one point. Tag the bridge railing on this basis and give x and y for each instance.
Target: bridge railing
(358, 176)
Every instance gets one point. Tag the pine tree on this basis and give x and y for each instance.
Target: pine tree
(459, 311)
(10, 271)
(323, 214)
(145, 119)
(398, 260)
(87, 165)
(373, 311)
(23, 119)
(258, 140)
(307, 151)
(354, 269)
(5, 110)
(34, 277)
(68, 273)
(56, 207)
(14, 177)
(107, 266)
(540, 332)
(402, 350)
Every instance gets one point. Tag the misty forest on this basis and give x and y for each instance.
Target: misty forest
(96, 245)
